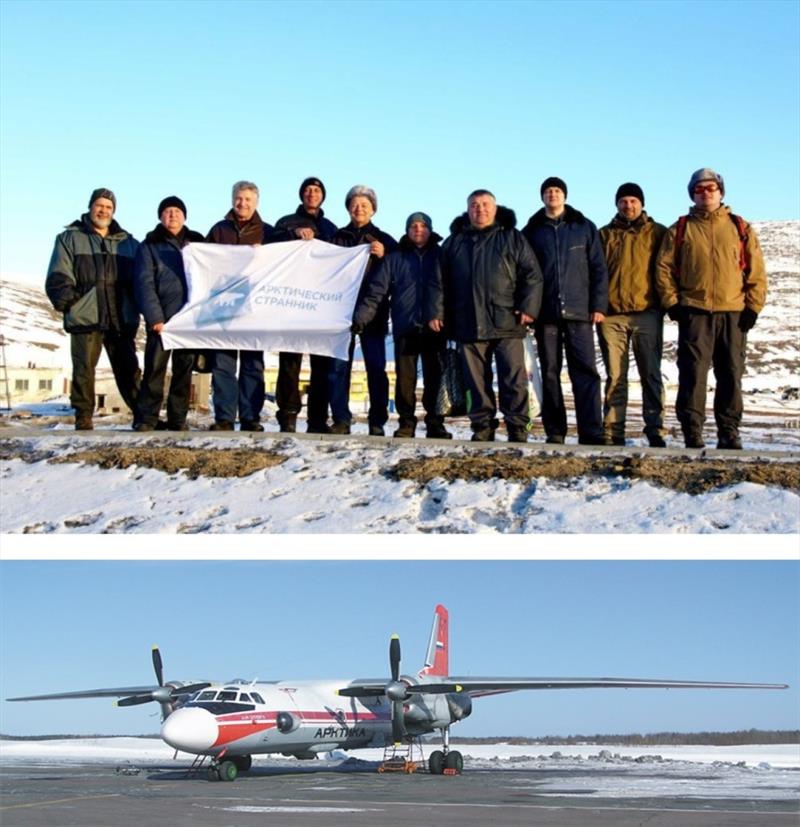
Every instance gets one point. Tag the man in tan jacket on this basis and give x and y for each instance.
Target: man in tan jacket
(711, 280)
(634, 320)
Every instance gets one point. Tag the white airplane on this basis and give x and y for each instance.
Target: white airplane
(231, 722)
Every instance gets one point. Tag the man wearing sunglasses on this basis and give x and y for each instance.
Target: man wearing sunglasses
(711, 280)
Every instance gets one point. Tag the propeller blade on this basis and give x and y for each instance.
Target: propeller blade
(394, 657)
(135, 700)
(158, 666)
(362, 691)
(398, 723)
(189, 689)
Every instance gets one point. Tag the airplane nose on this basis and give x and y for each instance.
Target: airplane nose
(190, 730)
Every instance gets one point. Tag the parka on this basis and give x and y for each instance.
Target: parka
(709, 274)
(573, 266)
(229, 231)
(631, 249)
(488, 276)
(159, 280)
(284, 230)
(90, 277)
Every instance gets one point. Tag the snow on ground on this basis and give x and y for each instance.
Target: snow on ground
(341, 486)
(747, 772)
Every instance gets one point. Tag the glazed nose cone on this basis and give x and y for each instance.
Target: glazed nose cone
(190, 730)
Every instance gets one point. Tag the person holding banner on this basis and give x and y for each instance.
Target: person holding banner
(159, 284)
(306, 222)
(405, 277)
(362, 203)
(241, 225)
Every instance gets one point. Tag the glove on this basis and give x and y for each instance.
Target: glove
(747, 318)
(356, 328)
(675, 312)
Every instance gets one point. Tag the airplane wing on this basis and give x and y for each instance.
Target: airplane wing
(479, 687)
(117, 692)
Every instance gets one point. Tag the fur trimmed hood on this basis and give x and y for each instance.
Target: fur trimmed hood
(506, 218)
(571, 216)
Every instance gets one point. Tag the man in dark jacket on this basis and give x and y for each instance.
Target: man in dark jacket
(90, 281)
(404, 278)
(159, 283)
(634, 320)
(575, 298)
(362, 203)
(242, 225)
(489, 292)
(307, 222)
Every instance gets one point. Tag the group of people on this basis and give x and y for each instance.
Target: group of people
(485, 287)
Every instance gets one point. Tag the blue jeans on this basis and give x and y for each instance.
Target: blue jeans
(247, 391)
(374, 350)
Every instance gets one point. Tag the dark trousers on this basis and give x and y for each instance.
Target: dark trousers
(85, 349)
(409, 350)
(574, 338)
(374, 350)
(287, 389)
(151, 393)
(512, 382)
(706, 339)
(247, 391)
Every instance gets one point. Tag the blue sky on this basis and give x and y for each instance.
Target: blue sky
(423, 101)
(81, 625)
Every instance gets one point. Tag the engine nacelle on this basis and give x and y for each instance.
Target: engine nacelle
(428, 712)
(286, 722)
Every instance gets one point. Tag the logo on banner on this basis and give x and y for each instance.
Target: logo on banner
(227, 302)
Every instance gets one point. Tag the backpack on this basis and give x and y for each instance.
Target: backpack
(680, 232)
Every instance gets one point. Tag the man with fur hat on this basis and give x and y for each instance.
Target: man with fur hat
(241, 225)
(634, 320)
(90, 281)
(362, 204)
(711, 280)
(568, 247)
(489, 291)
(405, 278)
(160, 287)
(306, 222)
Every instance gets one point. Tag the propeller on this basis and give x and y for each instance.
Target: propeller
(163, 694)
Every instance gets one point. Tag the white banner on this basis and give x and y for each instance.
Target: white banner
(295, 296)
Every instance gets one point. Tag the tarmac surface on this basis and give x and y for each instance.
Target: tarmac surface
(98, 795)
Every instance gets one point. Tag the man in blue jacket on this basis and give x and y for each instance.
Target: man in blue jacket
(405, 277)
(489, 292)
(567, 246)
(159, 283)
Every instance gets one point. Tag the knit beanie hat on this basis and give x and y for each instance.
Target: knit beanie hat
(629, 190)
(705, 174)
(553, 182)
(419, 216)
(312, 181)
(172, 201)
(102, 192)
(366, 192)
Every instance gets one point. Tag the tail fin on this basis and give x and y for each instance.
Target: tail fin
(437, 661)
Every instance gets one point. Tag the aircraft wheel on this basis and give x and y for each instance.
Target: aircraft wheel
(212, 773)
(454, 761)
(243, 762)
(228, 771)
(436, 762)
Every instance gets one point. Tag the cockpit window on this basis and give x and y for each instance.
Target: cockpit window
(206, 696)
(226, 696)
(257, 698)
(245, 698)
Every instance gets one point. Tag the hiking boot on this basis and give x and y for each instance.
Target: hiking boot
(592, 440)
(324, 428)
(177, 426)
(340, 428)
(483, 435)
(250, 425)
(377, 430)
(141, 427)
(288, 424)
(693, 441)
(404, 432)
(656, 441)
(221, 425)
(84, 423)
(161, 425)
(614, 440)
(437, 431)
(555, 439)
(517, 434)
(729, 443)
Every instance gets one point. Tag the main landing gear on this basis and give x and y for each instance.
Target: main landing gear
(228, 769)
(445, 761)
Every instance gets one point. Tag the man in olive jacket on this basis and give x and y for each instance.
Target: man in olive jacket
(634, 320)
(713, 283)
(90, 281)
(488, 291)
